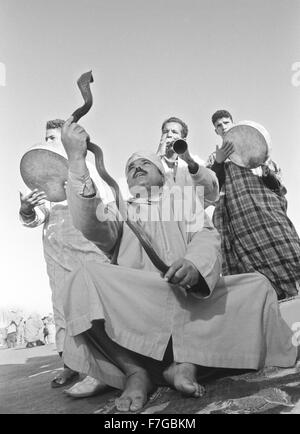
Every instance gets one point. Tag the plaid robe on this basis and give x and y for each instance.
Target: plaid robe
(255, 231)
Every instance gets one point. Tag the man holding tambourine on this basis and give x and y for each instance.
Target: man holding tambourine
(256, 232)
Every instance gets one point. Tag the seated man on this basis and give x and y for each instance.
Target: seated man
(130, 327)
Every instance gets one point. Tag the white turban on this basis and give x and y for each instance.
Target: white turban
(150, 156)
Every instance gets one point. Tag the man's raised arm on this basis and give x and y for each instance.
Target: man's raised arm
(90, 215)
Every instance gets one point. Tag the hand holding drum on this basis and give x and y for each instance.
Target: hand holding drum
(224, 152)
(30, 201)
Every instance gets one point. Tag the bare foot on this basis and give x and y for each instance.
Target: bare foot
(136, 391)
(182, 376)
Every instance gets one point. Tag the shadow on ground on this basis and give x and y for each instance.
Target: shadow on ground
(25, 386)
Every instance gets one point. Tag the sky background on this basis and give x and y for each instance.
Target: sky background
(150, 60)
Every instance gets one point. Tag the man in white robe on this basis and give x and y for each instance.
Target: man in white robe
(64, 246)
(126, 321)
(185, 169)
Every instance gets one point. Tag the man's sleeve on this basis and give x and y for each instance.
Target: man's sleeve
(218, 168)
(104, 190)
(204, 251)
(39, 215)
(273, 179)
(98, 222)
(208, 179)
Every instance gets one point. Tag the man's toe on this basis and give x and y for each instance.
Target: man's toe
(186, 387)
(123, 403)
(137, 403)
(199, 390)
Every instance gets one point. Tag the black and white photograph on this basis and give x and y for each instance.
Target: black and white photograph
(150, 219)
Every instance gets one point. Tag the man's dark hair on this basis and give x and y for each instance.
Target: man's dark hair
(55, 123)
(219, 115)
(185, 129)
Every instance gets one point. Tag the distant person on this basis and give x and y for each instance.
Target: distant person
(45, 330)
(34, 331)
(256, 233)
(51, 328)
(2, 339)
(65, 248)
(21, 332)
(11, 337)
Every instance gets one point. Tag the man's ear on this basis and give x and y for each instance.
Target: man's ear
(216, 131)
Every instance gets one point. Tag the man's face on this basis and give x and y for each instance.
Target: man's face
(171, 132)
(222, 125)
(143, 173)
(53, 136)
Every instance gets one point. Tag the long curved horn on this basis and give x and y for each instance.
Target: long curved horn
(84, 87)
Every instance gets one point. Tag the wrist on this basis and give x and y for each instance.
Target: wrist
(27, 212)
(220, 160)
(78, 165)
(76, 158)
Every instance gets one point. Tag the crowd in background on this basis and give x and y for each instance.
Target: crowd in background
(19, 330)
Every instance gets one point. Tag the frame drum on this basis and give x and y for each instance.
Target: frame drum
(45, 170)
(251, 144)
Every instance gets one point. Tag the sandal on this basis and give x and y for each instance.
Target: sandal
(85, 388)
(64, 378)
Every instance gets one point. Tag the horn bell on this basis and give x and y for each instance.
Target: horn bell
(180, 146)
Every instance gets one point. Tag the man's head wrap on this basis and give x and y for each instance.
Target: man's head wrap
(153, 158)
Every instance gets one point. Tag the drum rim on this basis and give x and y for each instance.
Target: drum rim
(27, 177)
(251, 125)
(61, 157)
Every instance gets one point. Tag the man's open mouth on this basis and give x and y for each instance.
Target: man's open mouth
(139, 174)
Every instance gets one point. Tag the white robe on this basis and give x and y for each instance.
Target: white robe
(205, 177)
(236, 324)
(65, 248)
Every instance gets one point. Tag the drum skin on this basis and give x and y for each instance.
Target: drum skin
(251, 144)
(47, 171)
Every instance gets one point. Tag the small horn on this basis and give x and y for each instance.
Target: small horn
(180, 146)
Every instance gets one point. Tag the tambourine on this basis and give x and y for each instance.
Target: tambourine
(45, 170)
(251, 144)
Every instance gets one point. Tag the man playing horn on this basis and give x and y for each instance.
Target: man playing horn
(185, 169)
